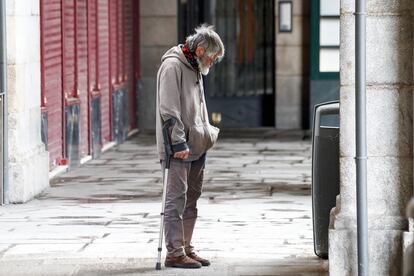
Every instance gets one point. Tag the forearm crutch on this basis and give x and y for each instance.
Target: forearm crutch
(168, 154)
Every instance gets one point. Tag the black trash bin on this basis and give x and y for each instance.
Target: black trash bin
(325, 174)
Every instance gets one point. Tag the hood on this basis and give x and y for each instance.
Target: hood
(176, 52)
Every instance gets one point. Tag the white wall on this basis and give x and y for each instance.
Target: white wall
(28, 160)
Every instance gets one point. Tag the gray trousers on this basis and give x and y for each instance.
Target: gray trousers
(184, 185)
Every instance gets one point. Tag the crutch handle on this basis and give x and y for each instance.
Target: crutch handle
(167, 140)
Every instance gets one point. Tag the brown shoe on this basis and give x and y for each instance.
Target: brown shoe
(181, 262)
(202, 261)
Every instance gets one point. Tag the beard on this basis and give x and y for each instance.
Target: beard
(204, 69)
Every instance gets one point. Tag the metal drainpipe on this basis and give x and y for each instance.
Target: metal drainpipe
(3, 90)
(361, 138)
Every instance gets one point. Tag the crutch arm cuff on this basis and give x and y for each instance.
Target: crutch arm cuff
(179, 147)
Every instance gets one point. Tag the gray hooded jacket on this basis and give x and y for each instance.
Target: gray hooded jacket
(180, 94)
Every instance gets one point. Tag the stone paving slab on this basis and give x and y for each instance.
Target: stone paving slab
(103, 218)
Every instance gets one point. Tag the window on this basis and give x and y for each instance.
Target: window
(329, 36)
(325, 38)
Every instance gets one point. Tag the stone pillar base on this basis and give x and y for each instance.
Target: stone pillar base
(28, 175)
(408, 253)
(384, 256)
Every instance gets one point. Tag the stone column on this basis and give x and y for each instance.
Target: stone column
(28, 160)
(158, 33)
(389, 136)
(292, 68)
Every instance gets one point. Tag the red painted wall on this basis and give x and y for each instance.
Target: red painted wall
(103, 72)
(51, 82)
(89, 48)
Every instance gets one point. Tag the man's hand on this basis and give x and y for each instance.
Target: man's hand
(182, 154)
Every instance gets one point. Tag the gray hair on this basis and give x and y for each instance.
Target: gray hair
(206, 37)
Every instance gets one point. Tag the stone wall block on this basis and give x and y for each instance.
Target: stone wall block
(28, 180)
(289, 61)
(301, 7)
(347, 50)
(347, 174)
(298, 37)
(23, 143)
(389, 121)
(23, 43)
(32, 79)
(11, 40)
(289, 102)
(384, 252)
(389, 50)
(18, 7)
(13, 102)
(158, 31)
(151, 61)
(385, 204)
(158, 8)
(380, 6)
(147, 103)
(24, 84)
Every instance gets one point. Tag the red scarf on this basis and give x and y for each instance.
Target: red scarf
(190, 56)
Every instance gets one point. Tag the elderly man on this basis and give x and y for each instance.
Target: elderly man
(180, 95)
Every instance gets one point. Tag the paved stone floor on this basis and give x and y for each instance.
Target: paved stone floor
(103, 218)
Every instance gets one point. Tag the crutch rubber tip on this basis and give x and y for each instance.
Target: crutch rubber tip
(158, 266)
